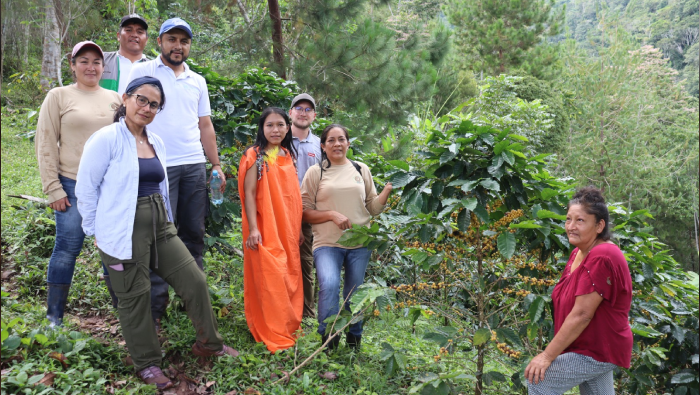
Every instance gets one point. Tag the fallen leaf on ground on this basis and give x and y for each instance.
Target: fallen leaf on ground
(59, 357)
(328, 375)
(234, 392)
(251, 391)
(120, 383)
(171, 372)
(47, 380)
(209, 384)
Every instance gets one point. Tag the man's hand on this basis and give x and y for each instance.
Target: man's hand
(60, 204)
(221, 175)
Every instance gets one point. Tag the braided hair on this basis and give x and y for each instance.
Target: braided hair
(261, 142)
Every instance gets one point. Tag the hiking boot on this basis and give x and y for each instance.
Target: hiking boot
(153, 375)
(333, 344)
(199, 350)
(353, 341)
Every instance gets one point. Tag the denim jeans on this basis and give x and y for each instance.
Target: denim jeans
(69, 238)
(329, 261)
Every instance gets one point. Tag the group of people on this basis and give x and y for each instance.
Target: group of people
(119, 164)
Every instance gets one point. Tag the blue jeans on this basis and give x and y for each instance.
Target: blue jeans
(329, 261)
(69, 238)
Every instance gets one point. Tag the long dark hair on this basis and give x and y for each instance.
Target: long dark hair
(324, 136)
(593, 202)
(261, 142)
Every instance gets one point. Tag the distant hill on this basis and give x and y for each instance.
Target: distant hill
(672, 26)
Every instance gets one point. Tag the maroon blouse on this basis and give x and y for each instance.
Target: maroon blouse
(608, 337)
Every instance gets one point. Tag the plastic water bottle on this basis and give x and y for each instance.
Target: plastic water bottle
(215, 185)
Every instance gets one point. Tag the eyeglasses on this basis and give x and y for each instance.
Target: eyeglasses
(302, 109)
(141, 100)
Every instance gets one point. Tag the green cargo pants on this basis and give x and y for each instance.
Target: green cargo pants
(157, 247)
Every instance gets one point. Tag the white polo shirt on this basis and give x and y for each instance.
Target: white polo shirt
(125, 66)
(186, 99)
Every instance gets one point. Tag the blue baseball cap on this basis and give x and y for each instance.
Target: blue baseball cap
(175, 23)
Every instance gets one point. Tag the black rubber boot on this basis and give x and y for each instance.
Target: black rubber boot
(56, 298)
(115, 299)
(353, 341)
(333, 344)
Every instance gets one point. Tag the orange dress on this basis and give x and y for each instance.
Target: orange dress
(272, 280)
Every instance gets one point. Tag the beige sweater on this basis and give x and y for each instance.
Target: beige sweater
(68, 117)
(342, 189)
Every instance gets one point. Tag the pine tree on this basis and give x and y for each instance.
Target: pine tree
(503, 34)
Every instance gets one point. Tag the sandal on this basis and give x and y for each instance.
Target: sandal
(153, 375)
(200, 351)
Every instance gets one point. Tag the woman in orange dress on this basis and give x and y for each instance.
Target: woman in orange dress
(269, 190)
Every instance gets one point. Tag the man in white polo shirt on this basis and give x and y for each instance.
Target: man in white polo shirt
(185, 126)
(132, 36)
(302, 113)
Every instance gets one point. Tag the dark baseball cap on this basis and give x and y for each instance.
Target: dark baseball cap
(303, 96)
(133, 18)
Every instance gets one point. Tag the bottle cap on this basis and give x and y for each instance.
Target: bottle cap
(214, 173)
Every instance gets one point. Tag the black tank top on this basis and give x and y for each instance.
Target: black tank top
(151, 174)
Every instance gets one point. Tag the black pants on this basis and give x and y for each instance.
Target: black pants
(189, 202)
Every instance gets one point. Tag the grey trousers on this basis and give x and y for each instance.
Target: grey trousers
(307, 271)
(189, 202)
(571, 369)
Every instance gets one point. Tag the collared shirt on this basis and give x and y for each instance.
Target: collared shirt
(125, 66)
(308, 152)
(108, 184)
(186, 100)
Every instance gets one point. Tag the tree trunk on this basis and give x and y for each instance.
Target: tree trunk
(480, 307)
(25, 47)
(52, 49)
(277, 41)
(5, 20)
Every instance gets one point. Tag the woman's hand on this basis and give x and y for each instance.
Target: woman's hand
(254, 239)
(301, 238)
(340, 220)
(388, 187)
(60, 204)
(535, 370)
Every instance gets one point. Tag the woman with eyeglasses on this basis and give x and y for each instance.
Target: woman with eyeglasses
(122, 192)
(69, 115)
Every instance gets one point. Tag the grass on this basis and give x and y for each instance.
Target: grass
(88, 356)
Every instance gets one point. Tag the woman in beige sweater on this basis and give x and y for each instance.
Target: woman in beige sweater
(336, 194)
(68, 117)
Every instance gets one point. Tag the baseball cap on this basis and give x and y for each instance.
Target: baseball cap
(134, 18)
(175, 23)
(303, 96)
(85, 45)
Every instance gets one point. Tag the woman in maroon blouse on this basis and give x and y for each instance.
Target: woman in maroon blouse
(591, 306)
